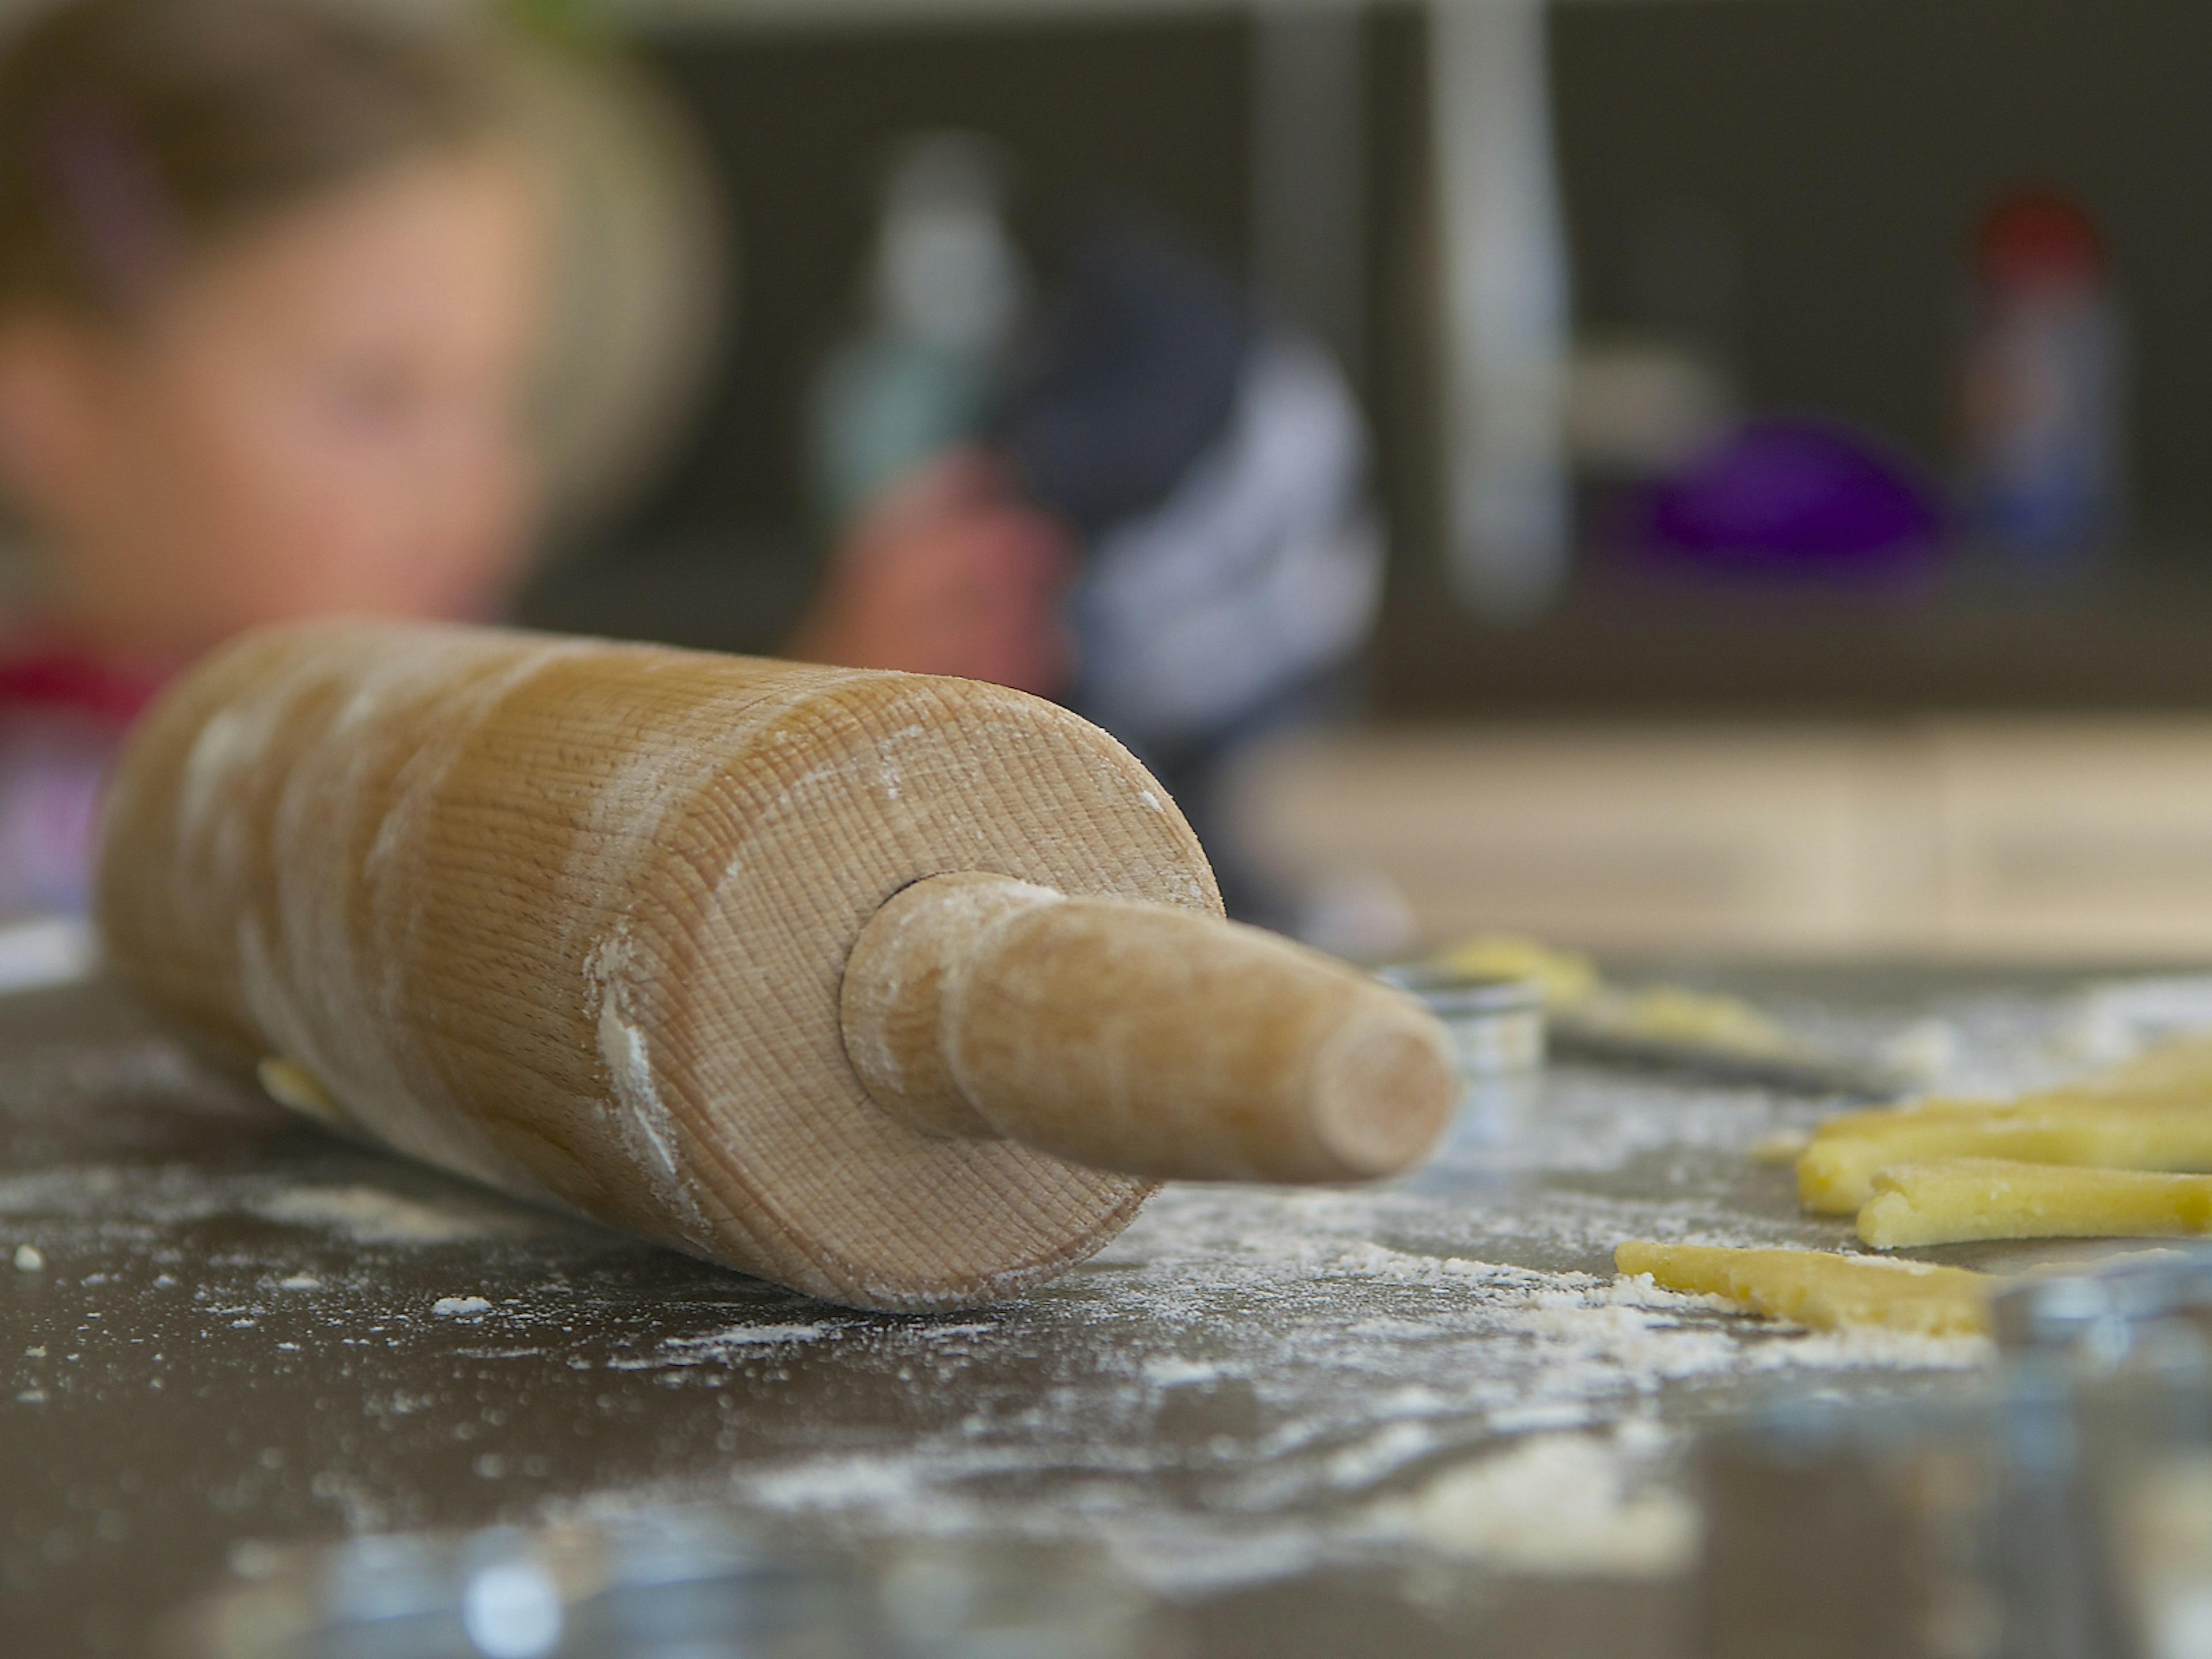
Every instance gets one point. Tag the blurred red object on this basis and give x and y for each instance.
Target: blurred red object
(2044, 394)
(2038, 239)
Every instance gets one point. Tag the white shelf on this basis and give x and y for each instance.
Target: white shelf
(2013, 839)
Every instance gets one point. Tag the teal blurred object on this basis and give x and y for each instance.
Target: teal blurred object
(946, 289)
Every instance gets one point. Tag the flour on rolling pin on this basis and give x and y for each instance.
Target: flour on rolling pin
(900, 991)
(642, 1117)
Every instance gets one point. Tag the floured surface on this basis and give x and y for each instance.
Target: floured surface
(1287, 1413)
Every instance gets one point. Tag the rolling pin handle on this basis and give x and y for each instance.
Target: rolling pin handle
(1137, 1037)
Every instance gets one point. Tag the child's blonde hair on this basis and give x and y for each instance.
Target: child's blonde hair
(135, 132)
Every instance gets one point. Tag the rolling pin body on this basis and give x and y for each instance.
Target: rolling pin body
(573, 919)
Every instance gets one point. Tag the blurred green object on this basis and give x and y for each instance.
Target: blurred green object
(567, 22)
(945, 287)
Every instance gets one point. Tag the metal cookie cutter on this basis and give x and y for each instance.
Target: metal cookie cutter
(1497, 1028)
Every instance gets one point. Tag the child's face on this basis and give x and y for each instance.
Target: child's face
(322, 417)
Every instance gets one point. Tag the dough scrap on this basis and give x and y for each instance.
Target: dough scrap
(2185, 1062)
(293, 1086)
(1564, 977)
(2154, 1112)
(1836, 1173)
(1572, 987)
(1823, 1290)
(1954, 1200)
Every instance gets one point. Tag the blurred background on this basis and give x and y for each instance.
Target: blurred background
(1717, 475)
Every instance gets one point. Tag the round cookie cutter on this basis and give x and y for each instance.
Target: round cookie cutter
(1497, 1028)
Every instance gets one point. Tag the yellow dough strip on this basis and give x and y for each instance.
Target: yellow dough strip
(1836, 1173)
(1824, 1290)
(1954, 1200)
(2185, 1062)
(2154, 1112)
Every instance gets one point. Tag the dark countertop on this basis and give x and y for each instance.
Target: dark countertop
(1248, 1413)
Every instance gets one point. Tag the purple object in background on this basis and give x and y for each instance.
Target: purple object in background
(1791, 496)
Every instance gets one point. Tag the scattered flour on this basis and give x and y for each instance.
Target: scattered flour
(641, 1121)
(740, 1336)
(2117, 1020)
(1878, 1350)
(722, 1346)
(88, 1195)
(841, 1483)
(1306, 1367)
(454, 1307)
(372, 1215)
(1168, 1371)
(1550, 1503)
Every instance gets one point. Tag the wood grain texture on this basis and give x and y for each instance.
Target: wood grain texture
(1130, 1036)
(571, 918)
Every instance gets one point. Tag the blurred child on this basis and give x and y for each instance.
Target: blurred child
(269, 285)
(271, 282)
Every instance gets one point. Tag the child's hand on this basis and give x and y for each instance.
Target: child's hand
(948, 572)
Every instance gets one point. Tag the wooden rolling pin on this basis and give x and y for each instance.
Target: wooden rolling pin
(898, 990)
